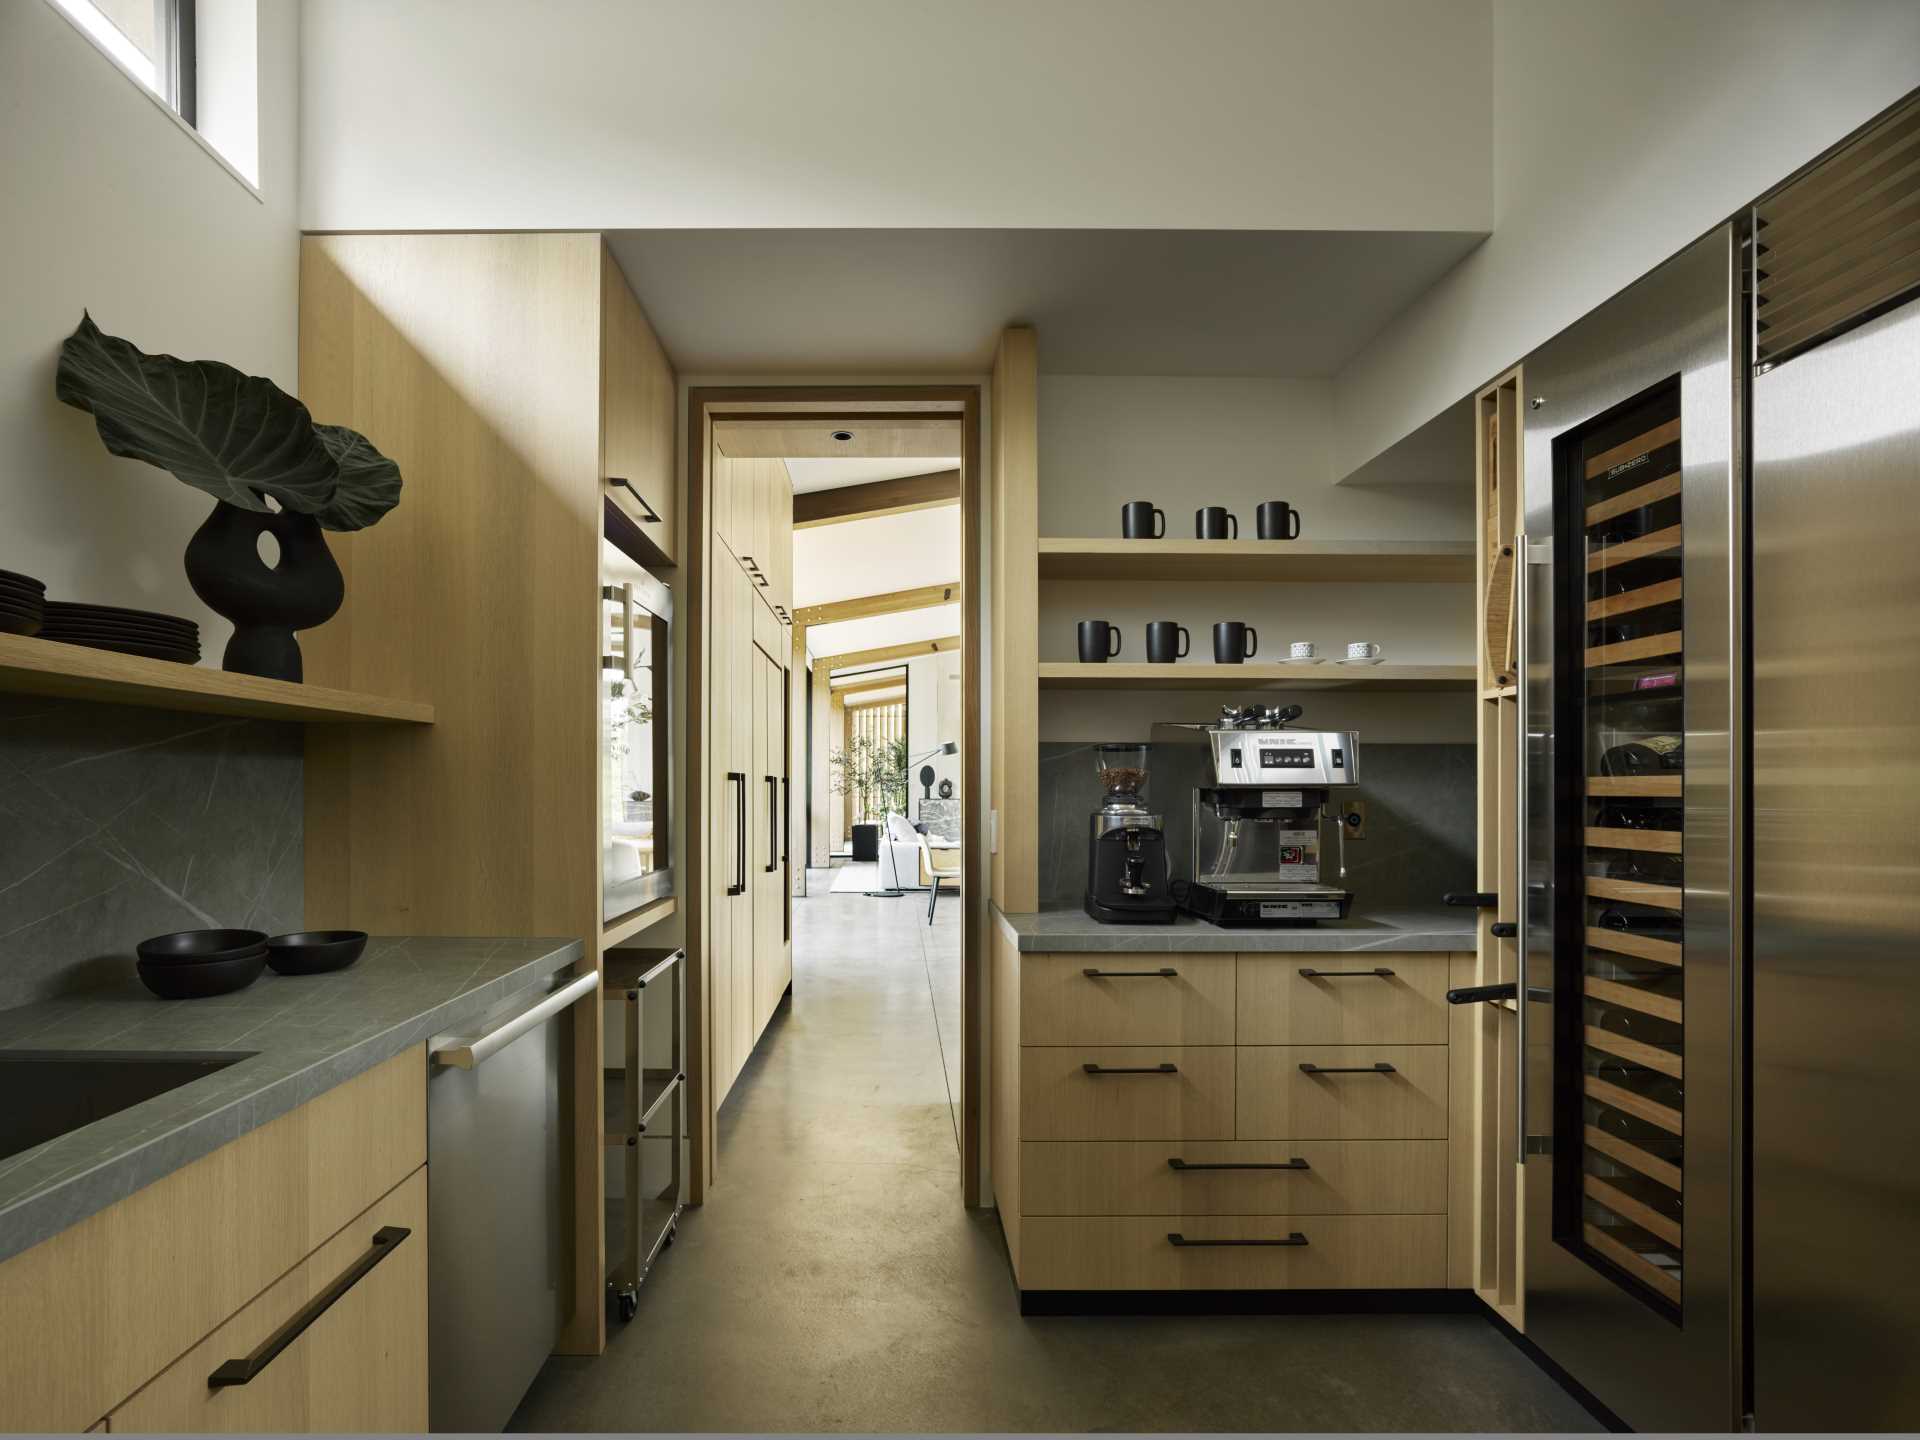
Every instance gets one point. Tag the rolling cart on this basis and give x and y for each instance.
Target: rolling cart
(646, 1115)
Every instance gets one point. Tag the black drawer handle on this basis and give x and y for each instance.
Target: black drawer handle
(1503, 929)
(1472, 899)
(1505, 990)
(1165, 1067)
(1174, 1237)
(652, 517)
(1165, 972)
(1310, 973)
(239, 1372)
(1174, 1162)
(1378, 1068)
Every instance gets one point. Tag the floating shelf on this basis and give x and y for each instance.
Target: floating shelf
(618, 932)
(33, 666)
(1070, 675)
(1354, 561)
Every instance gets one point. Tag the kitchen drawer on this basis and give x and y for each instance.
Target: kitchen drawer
(361, 1365)
(1132, 1001)
(1359, 1177)
(1348, 1099)
(1347, 1003)
(99, 1309)
(1061, 1100)
(1134, 1253)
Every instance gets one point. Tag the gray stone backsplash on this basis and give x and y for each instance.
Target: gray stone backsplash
(1420, 820)
(119, 823)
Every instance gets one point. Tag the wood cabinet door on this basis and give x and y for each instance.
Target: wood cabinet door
(740, 724)
(762, 501)
(637, 404)
(359, 1366)
(780, 547)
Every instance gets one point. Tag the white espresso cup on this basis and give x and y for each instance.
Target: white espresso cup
(1362, 650)
(1301, 650)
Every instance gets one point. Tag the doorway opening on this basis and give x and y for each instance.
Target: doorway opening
(870, 568)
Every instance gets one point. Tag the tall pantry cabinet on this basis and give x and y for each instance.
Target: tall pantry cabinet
(749, 933)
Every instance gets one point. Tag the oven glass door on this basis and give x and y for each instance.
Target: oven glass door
(634, 848)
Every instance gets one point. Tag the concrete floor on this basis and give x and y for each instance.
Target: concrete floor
(834, 1282)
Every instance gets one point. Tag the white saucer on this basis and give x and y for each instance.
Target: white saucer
(1364, 660)
(1307, 660)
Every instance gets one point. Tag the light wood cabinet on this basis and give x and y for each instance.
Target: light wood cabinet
(96, 1312)
(360, 1365)
(1225, 1098)
(637, 403)
(752, 506)
(772, 949)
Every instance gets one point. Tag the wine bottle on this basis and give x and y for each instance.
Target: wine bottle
(1638, 1025)
(1653, 755)
(1654, 927)
(1619, 816)
(1631, 1182)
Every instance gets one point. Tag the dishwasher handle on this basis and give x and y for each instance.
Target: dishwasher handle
(465, 1052)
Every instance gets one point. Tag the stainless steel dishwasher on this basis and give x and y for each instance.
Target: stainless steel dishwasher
(497, 1250)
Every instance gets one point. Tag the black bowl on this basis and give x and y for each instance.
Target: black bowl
(209, 977)
(314, 952)
(200, 946)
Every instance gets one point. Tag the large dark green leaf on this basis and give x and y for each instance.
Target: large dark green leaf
(223, 432)
(369, 481)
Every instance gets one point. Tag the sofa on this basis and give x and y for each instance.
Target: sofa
(899, 854)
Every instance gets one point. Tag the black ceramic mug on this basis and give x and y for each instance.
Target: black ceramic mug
(1143, 520)
(1234, 642)
(1215, 522)
(1278, 520)
(1099, 642)
(1166, 642)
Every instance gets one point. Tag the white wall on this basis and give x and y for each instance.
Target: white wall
(110, 207)
(933, 716)
(1622, 130)
(1183, 442)
(1208, 114)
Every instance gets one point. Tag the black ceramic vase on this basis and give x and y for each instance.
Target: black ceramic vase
(265, 603)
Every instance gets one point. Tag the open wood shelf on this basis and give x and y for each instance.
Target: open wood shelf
(1611, 992)
(1340, 561)
(1625, 942)
(33, 666)
(1637, 892)
(1651, 1056)
(1627, 1153)
(1071, 675)
(1628, 1103)
(618, 932)
(1660, 542)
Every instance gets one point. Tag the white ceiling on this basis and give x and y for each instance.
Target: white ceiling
(1115, 302)
(878, 630)
(875, 557)
(811, 475)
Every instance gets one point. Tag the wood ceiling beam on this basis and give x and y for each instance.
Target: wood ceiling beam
(866, 606)
(884, 680)
(876, 697)
(885, 652)
(879, 497)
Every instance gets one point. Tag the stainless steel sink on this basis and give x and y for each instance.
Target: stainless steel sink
(45, 1094)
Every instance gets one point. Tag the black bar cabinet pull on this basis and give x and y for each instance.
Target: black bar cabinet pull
(1166, 972)
(1379, 1067)
(1503, 929)
(1174, 1162)
(652, 517)
(1310, 973)
(786, 817)
(1505, 990)
(1165, 1067)
(1174, 1237)
(773, 823)
(739, 886)
(239, 1372)
(1472, 899)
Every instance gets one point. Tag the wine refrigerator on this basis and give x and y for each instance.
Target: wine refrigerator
(1720, 669)
(1633, 466)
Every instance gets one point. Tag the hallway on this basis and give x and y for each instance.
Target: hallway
(834, 1282)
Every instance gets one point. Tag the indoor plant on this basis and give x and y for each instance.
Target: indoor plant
(269, 467)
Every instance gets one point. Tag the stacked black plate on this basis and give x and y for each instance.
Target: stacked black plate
(22, 599)
(131, 632)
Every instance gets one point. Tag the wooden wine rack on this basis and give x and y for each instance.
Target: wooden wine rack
(1625, 1227)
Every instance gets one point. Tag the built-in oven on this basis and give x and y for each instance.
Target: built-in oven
(636, 667)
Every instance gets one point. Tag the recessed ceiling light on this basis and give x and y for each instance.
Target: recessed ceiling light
(843, 435)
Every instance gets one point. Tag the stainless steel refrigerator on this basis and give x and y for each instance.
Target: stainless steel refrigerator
(1722, 820)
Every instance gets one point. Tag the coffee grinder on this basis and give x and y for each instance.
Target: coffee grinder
(1129, 880)
(1256, 828)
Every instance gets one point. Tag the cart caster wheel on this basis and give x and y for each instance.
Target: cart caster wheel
(626, 1304)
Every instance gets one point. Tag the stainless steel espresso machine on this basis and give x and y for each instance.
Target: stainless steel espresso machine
(1257, 827)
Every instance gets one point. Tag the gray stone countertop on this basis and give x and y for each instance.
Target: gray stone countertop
(1073, 929)
(306, 1033)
